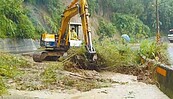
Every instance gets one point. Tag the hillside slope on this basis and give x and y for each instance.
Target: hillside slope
(109, 18)
(42, 19)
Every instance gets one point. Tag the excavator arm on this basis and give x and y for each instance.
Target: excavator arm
(78, 7)
(67, 15)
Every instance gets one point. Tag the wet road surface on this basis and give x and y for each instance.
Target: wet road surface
(170, 51)
(125, 87)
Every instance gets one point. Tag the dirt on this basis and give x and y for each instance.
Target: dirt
(117, 86)
(123, 87)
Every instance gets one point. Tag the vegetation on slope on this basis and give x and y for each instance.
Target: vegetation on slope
(30, 18)
(18, 21)
(49, 14)
(13, 20)
(127, 24)
(106, 29)
(145, 10)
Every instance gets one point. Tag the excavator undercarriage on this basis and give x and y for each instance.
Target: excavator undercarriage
(47, 55)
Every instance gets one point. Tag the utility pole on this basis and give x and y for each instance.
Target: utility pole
(157, 23)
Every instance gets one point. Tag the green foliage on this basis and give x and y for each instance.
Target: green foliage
(106, 29)
(25, 29)
(149, 15)
(49, 75)
(93, 6)
(115, 54)
(123, 6)
(8, 68)
(13, 20)
(131, 26)
(145, 10)
(49, 22)
(12, 11)
(166, 14)
(55, 8)
(50, 12)
(152, 50)
(12, 60)
(3, 89)
(30, 1)
(9, 64)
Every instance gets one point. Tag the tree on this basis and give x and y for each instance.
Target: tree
(132, 26)
(13, 18)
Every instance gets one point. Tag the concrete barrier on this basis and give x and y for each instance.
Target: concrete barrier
(164, 75)
(165, 79)
(18, 45)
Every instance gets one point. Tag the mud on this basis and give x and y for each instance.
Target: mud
(123, 87)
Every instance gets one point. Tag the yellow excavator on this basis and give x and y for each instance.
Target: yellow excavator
(56, 45)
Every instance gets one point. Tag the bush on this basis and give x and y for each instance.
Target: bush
(153, 50)
(106, 29)
(114, 54)
(132, 26)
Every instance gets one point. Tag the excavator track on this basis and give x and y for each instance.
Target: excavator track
(39, 56)
(36, 57)
(47, 55)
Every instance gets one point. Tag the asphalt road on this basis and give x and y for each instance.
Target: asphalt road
(170, 51)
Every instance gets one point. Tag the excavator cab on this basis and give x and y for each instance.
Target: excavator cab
(77, 28)
(50, 40)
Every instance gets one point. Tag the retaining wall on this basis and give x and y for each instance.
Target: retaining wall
(18, 45)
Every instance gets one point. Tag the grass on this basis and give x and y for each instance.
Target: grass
(2, 87)
(112, 54)
(49, 74)
(9, 65)
(153, 50)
